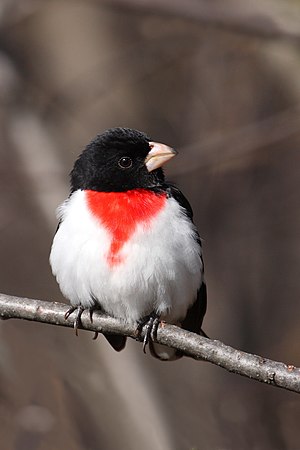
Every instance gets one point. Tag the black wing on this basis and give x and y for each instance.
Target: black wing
(195, 315)
(174, 192)
(194, 318)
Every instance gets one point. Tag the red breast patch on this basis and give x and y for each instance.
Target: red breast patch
(121, 212)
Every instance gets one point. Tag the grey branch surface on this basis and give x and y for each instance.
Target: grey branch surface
(278, 374)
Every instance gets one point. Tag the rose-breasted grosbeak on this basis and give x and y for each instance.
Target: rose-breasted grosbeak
(126, 242)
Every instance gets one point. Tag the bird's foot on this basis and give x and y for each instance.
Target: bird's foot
(151, 322)
(91, 311)
(77, 322)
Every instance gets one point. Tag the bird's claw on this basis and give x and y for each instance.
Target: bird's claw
(70, 311)
(77, 322)
(151, 322)
(91, 312)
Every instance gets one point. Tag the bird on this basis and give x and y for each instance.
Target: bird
(126, 243)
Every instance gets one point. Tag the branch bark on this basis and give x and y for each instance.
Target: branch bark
(252, 366)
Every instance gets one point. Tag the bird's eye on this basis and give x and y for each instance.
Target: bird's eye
(125, 162)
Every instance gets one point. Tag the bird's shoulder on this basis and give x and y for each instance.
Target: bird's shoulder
(173, 192)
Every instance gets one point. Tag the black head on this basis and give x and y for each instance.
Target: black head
(118, 160)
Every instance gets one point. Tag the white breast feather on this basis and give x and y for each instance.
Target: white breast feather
(161, 268)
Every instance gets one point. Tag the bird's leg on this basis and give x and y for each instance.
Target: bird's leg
(70, 311)
(77, 322)
(155, 326)
(152, 321)
(91, 310)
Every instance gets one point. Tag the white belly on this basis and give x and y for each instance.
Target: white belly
(161, 268)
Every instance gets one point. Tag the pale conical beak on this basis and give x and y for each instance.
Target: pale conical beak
(158, 155)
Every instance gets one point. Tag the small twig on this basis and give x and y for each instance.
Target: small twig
(252, 366)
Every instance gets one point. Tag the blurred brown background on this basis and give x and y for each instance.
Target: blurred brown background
(220, 81)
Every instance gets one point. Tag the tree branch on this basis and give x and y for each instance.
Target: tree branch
(252, 366)
(258, 19)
